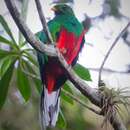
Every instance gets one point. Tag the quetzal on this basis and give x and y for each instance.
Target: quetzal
(68, 34)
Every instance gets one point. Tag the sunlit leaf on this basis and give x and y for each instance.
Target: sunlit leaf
(31, 58)
(28, 67)
(4, 84)
(23, 43)
(4, 53)
(23, 84)
(61, 123)
(82, 72)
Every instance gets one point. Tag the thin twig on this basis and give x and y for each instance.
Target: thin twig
(108, 70)
(81, 102)
(43, 21)
(109, 51)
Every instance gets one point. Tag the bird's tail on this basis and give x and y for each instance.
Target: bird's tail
(49, 108)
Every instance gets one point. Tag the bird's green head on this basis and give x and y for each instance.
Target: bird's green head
(60, 9)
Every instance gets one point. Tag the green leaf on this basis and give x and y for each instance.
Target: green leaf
(82, 72)
(8, 31)
(7, 42)
(31, 58)
(6, 62)
(4, 53)
(66, 98)
(23, 84)
(6, 27)
(68, 88)
(4, 40)
(38, 85)
(4, 84)
(61, 123)
(28, 67)
(63, 95)
(23, 44)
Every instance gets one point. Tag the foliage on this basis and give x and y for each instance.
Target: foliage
(19, 57)
(4, 83)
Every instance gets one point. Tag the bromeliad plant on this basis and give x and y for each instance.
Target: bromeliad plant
(113, 101)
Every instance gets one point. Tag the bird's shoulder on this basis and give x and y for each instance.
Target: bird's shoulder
(70, 23)
(41, 36)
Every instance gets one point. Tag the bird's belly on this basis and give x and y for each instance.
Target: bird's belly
(53, 71)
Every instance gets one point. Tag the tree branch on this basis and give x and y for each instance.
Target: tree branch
(108, 70)
(66, 93)
(86, 90)
(29, 36)
(43, 20)
(109, 51)
(81, 102)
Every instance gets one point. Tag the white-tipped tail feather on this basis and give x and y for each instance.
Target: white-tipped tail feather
(50, 105)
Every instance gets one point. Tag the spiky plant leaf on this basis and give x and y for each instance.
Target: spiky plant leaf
(4, 84)
(23, 84)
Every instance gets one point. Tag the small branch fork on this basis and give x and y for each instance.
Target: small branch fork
(81, 102)
(43, 21)
(85, 89)
(109, 51)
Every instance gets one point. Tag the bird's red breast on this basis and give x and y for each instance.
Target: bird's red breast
(69, 44)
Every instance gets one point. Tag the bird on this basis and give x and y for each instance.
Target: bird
(68, 35)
